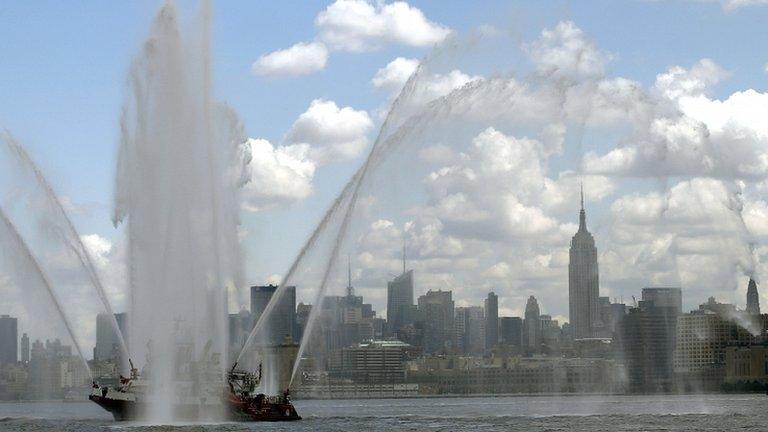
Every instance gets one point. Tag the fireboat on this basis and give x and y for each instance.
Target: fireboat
(237, 401)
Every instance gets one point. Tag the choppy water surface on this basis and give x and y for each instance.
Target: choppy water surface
(546, 413)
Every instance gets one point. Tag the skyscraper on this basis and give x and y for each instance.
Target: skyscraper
(475, 331)
(753, 299)
(532, 336)
(583, 284)
(9, 339)
(511, 331)
(491, 321)
(400, 301)
(647, 339)
(436, 308)
(282, 321)
(107, 342)
(25, 348)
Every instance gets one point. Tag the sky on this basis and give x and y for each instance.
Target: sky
(311, 80)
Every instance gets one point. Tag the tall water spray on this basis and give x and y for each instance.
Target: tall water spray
(176, 191)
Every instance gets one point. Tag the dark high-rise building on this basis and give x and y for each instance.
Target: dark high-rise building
(436, 309)
(475, 330)
(400, 301)
(491, 321)
(647, 339)
(240, 325)
(460, 327)
(9, 339)
(25, 348)
(753, 299)
(107, 342)
(583, 282)
(532, 336)
(511, 331)
(282, 320)
(302, 318)
(666, 299)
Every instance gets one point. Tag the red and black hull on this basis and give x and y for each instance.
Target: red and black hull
(237, 409)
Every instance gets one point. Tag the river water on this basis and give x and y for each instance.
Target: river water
(537, 413)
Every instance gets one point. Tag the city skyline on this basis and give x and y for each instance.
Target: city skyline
(502, 214)
(726, 82)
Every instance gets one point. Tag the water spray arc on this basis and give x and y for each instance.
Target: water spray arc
(69, 235)
(20, 246)
(351, 187)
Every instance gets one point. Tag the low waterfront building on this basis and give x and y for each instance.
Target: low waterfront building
(371, 363)
(475, 375)
(746, 365)
(700, 353)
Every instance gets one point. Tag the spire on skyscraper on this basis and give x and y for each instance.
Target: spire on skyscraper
(582, 213)
(403, 252)
(350, 290)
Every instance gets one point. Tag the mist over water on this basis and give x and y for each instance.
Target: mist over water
(176, 194)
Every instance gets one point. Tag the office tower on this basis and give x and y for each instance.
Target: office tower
(532, 337)
(753, 299)
(511, 331)
(400, 302)
(25, 348)
(647, 339)
(302, 318)
(436, 310)
(460, 326)
(475, 331)
(281, 323)
(9, 339)
(666, 299)
(240, 325)
(491, 321)
(583, 281)
(107, 342)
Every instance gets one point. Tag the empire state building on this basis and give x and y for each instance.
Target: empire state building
(583, 281)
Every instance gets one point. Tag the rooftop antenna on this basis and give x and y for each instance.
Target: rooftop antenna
(582, 194)
(350, 290)
(403, 252)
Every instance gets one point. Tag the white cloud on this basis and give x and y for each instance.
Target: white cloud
(426, 87)
(359, 25)
(282, 174)
(97, 246)
(300, 59)
(684, 132)
(677, 81)
(279, 175)
(565, 52)
(691, 235)
(498, 191)
(735, 4)
(392, 76)
(331, 134)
